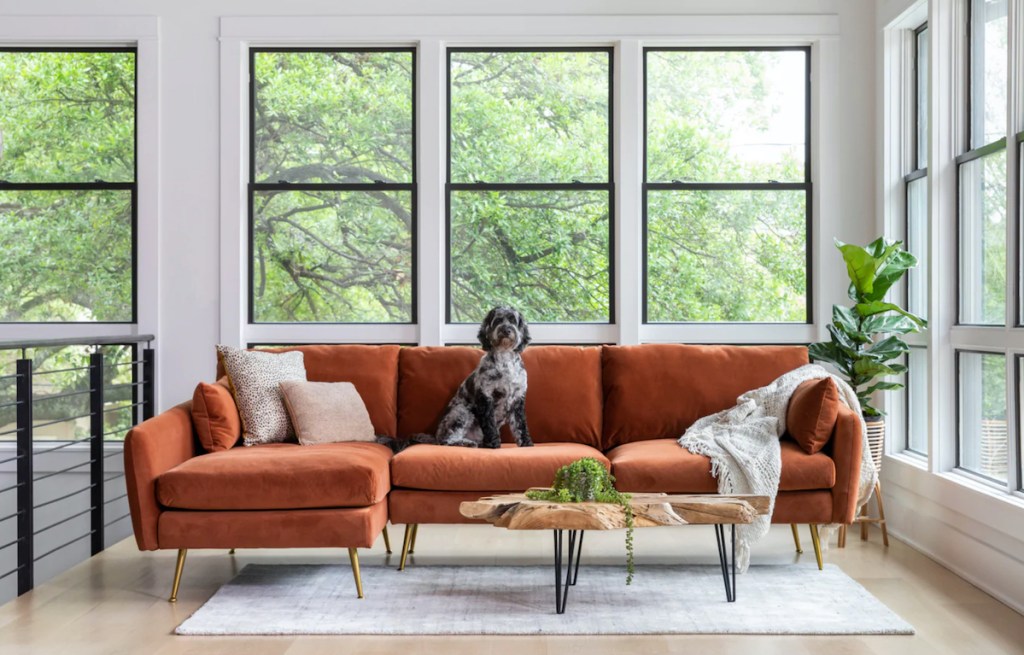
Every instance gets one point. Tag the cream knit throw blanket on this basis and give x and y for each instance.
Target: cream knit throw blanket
(743, 444)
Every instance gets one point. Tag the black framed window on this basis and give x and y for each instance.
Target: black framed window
(727, 185)
(68, 192)
(982, 170)
(530, 192)
(983, 439)
(332, 192)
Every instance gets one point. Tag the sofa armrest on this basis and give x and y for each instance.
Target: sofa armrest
(150, 449)
(846, 447)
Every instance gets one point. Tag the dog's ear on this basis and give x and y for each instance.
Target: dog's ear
(485, 326)
(524, 331)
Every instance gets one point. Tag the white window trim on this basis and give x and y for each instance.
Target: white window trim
(142, 33)
(431, 35)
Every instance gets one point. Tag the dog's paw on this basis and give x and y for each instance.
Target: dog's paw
(465, 443)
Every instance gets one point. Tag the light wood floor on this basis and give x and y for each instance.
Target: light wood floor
(116, 602)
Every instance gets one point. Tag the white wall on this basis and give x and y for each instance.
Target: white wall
(189, 156)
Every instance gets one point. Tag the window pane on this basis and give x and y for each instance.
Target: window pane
(922, 98)
(917, 243)
(736, 116)
(726, 256)
(544, 252)
(917, 400)
(333, 116)
(67, 116)
(983, 240)
(67, 256)
(529, 116)
(988, 71)
(325, 256)
(983, 436)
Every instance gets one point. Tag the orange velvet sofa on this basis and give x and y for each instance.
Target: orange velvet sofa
(622, 405)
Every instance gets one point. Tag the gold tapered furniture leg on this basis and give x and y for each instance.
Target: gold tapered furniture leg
(387, 540)
(796, 539)
(412, 544)
(353, 558)
(841, 540)
(178, 568)
(817, 545)
(405, 545)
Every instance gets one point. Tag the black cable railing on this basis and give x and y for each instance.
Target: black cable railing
(134, 399)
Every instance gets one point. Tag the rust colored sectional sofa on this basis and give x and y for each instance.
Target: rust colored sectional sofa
(623, 405)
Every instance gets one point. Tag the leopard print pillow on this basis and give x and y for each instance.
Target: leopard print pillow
(254, 377)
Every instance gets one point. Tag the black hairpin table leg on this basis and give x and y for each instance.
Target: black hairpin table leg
(571, 571)
(724, 557)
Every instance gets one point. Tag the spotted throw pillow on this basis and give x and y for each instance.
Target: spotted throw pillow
(255, 379)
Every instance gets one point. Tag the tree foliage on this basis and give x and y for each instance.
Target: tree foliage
(66, 117)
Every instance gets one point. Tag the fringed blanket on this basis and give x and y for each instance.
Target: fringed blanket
(743, 444)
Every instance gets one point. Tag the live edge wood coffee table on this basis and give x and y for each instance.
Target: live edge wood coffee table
(517, 512)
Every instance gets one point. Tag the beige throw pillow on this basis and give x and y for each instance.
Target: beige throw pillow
(326, 412)
(254, 377)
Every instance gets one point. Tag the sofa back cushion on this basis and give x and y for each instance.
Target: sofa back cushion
(563, 399)
(656, 391)
(373, 370)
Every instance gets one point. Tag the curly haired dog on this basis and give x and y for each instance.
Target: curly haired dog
(494, 393)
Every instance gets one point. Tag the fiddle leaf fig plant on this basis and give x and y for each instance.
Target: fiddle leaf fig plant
(866, 338)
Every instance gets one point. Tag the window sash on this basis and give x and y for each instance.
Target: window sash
(255, 188)
(97, 185)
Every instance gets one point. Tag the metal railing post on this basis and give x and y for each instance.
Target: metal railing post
(96, 448)
(24, 477)
(148, 383)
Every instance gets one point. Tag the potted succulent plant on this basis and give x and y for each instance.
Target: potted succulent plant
(866, 339)
(587, 480)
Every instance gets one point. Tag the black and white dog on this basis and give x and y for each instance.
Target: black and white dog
(494, 393)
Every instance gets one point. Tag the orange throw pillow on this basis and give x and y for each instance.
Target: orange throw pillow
(813, 409)
(215, 416)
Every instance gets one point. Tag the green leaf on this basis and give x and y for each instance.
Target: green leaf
(888, 348)
(869, 368)
(829, 353)
(883, 386)
(879, 306)
(888, 324)
(860, 266)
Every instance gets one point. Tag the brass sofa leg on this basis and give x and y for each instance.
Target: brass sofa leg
(817, 544)
(405, 545)
(841, 540)
(353, 558)
(412, 543)
(387, 540)
(177, 575)
(796, 539)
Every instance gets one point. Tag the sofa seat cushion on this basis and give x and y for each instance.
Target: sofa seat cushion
(662, 465)
(279, 476)
(452, 468)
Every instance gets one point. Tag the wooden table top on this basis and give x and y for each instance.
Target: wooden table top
(517, 512)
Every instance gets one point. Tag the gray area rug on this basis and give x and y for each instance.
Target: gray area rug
(519, 600)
